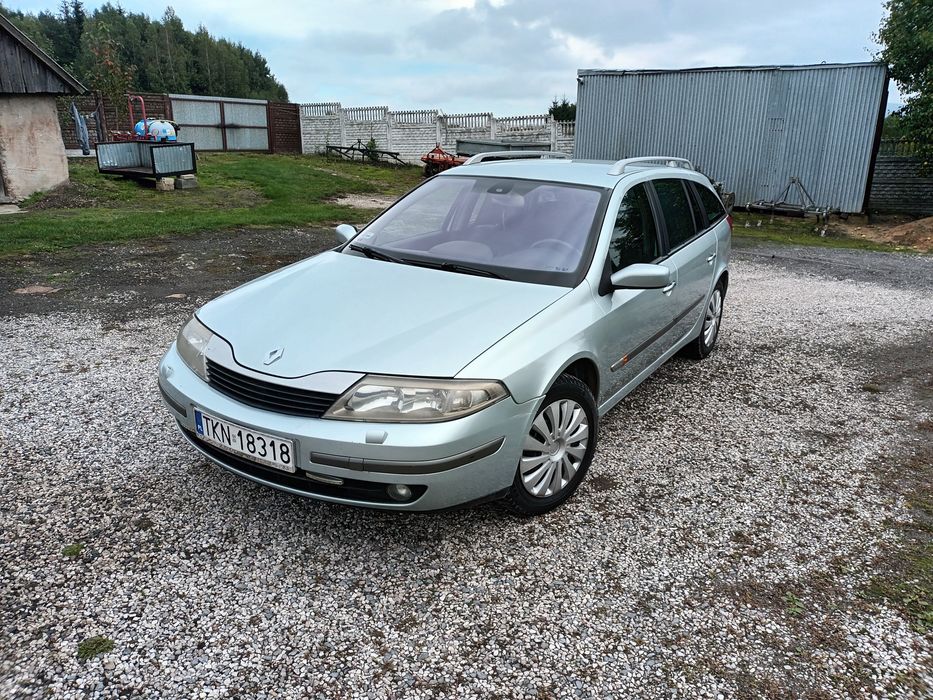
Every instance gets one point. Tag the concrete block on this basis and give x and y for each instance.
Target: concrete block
(186, 182)
(165, 184)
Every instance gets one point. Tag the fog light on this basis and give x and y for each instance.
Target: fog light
(399, 492)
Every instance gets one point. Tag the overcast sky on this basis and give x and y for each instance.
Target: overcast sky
(512, 56)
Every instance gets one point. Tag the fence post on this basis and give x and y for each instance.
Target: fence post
(342, 119)
(390, 120)
(492, 126)
(553, 127)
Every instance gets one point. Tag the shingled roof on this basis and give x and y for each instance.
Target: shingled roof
(25, 69)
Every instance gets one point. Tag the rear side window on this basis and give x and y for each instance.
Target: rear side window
(699, 218)
(711, 203)
(635, 236)
(676, 209)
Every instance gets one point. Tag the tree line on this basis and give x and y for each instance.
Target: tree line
(114, 51)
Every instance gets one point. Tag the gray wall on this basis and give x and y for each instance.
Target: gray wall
(751, 128)
(222, 123)
(32, 155)
(898, 187)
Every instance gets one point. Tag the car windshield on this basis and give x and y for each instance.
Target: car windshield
(518, 229)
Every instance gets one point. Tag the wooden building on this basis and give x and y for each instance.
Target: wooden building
(32, 153)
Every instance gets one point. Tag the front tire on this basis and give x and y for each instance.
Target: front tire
(705, 342)
(557, 450)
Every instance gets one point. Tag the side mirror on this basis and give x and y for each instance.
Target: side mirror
(642, 276)
(345, 232)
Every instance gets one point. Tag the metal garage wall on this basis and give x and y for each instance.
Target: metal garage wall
(751, 128)
(221, 123)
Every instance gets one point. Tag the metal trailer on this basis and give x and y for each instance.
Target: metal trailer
(760, 130)
(146, 159)
(472, 147)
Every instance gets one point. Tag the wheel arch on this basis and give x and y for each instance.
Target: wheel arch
(724, 278)
(584, 368)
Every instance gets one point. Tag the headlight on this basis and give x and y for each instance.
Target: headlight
(407, 400)
(191, 342)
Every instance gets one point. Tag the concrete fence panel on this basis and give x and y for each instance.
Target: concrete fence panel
(412, 133)
(411, 130)
(465, 126)
(365, 123)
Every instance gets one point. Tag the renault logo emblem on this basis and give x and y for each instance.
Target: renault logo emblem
(273, 355)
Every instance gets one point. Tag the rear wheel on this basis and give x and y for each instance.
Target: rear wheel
(558, 448)
(703, 344)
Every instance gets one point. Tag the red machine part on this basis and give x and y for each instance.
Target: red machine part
(131, 134)
(437, 160)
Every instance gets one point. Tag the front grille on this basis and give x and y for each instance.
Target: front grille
(266, 395)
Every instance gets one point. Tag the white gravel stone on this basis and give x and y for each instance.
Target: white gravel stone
(721, 492)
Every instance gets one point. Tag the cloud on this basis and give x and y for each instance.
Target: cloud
(513, 56)
(363, 43)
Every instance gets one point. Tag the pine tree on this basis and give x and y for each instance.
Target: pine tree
(161, 56)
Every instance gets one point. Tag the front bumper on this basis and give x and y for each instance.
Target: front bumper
(445, 464)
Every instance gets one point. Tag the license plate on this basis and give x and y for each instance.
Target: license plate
(270, 450)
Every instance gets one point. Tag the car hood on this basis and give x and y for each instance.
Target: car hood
(342, 312)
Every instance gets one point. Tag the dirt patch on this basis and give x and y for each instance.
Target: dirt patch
(916, 234)
(899, 231)
(71, 195)
(906, 578)
(118, 279)
(366, 201)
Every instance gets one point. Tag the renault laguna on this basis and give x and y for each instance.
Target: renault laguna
(463, 345)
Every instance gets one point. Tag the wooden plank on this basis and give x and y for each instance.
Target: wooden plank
(23, 72)
(27, 46)
(10, 65)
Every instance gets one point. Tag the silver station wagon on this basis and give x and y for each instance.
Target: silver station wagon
(464, 344)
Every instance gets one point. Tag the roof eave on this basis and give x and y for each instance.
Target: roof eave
(42, 56)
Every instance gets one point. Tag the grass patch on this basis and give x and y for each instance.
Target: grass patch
(911, 590)
(72, 550)
(236, 191)
(791, 230)
(793, 604)
(907, 581)
(92, 646)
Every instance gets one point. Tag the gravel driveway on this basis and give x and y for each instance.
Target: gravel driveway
(722, 545)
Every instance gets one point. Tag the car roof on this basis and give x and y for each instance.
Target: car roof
(593, 173)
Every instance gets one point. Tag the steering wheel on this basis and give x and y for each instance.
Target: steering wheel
(554, 241)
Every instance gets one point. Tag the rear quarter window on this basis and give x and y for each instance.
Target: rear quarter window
(711, 203)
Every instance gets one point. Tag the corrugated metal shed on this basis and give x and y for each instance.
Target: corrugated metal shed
(753, 128)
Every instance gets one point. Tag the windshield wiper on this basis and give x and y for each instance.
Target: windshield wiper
(446, 266)
(467, 269)
(374, 254)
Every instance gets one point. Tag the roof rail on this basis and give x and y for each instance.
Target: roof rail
(515, 155)
(620, 166)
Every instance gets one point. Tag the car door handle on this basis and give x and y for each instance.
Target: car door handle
(711, 258)
(669, 288)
